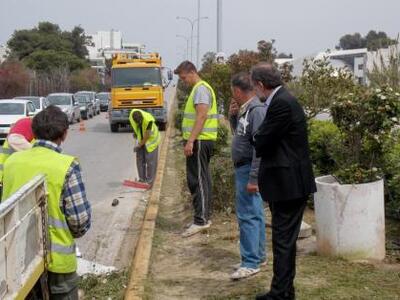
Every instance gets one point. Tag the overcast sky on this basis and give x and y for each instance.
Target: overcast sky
(299, 27)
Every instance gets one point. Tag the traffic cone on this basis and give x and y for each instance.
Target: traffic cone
(82, 126)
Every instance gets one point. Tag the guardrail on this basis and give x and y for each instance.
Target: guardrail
(23, 224)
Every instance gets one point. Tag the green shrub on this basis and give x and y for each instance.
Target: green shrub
(324, 138)
(223, 180)
(365, 118)
(222, 172)
(392, 174)
(221, 145)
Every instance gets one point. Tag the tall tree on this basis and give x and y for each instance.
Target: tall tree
(373, 41)
(79, 41)
(46, 47)
(207, 61)
(351, 41)
(266, 50)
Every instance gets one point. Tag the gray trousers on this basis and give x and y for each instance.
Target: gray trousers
(147, 164)
(63, 286)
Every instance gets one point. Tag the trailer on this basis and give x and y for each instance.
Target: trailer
(24, 240)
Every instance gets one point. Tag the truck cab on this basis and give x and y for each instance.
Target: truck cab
(137, 82)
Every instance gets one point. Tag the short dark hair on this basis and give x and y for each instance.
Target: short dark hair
(50, 124)
(267, 74)
(185, 67)
(137, 116)
(242, 81)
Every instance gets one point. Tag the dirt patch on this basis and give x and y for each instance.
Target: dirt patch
(199, 267)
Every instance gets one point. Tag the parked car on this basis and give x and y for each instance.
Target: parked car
(85, 105)
(105, 99)
(68, 105)
(39, 102)
(11, 110)
(92, 97)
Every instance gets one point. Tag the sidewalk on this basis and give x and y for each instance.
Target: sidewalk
(199, 267)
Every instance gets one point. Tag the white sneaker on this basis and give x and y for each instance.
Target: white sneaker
(77, 252)
(242, 273)
(191, 223)
(262, 264)
(194, 229)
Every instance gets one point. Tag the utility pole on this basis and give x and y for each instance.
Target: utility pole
(187, 39)
(198, 34)
(219, 26)
(192, 23)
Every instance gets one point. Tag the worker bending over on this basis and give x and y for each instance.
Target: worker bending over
(147, 134)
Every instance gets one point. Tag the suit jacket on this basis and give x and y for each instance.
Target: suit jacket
(282, 143)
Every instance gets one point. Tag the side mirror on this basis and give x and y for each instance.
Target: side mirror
(170, 75)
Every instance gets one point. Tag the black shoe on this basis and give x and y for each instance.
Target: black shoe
(263, 297)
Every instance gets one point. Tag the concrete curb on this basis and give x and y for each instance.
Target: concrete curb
(141, 259)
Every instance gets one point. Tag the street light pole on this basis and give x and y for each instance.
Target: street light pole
(198, 35)
(187, 43)
(191, 33)
(192, 23)
(219, 26)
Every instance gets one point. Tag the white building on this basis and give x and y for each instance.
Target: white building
(106, 43)
(357, 61)
(104, 40)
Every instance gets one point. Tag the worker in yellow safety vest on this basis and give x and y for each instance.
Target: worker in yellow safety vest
(199, 129)
(148, 137)
(19, 138)
(69, 212)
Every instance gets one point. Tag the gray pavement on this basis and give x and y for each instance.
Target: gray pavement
(107, 159)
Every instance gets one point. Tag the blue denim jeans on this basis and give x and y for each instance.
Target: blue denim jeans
(251, 219)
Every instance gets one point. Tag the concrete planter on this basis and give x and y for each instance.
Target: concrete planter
(350, 219)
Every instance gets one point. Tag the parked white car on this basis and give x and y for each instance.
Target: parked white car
(11, 110)
(68, 105)
(39, 102)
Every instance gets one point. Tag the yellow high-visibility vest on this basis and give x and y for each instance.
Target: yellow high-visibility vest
(210, 129)
(5, 153)
(23, 166)
(155, 138)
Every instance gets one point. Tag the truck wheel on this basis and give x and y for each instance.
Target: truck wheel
(162, 126)
(114, 127)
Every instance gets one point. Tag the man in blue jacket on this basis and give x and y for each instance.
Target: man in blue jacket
(246, 115)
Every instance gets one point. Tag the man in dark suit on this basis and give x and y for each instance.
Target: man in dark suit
(285, 177)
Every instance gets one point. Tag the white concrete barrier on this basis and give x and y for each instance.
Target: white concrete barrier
(350, 219)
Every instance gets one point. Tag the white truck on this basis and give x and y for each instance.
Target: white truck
(23, 240)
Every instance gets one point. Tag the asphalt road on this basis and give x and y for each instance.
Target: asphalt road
(107, 159)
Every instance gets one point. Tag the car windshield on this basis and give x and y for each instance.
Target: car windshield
(35, 100)
(12, 109)
(103, 97)
(91, 96)
(128, 77)
(59, 99)
(82, 99)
